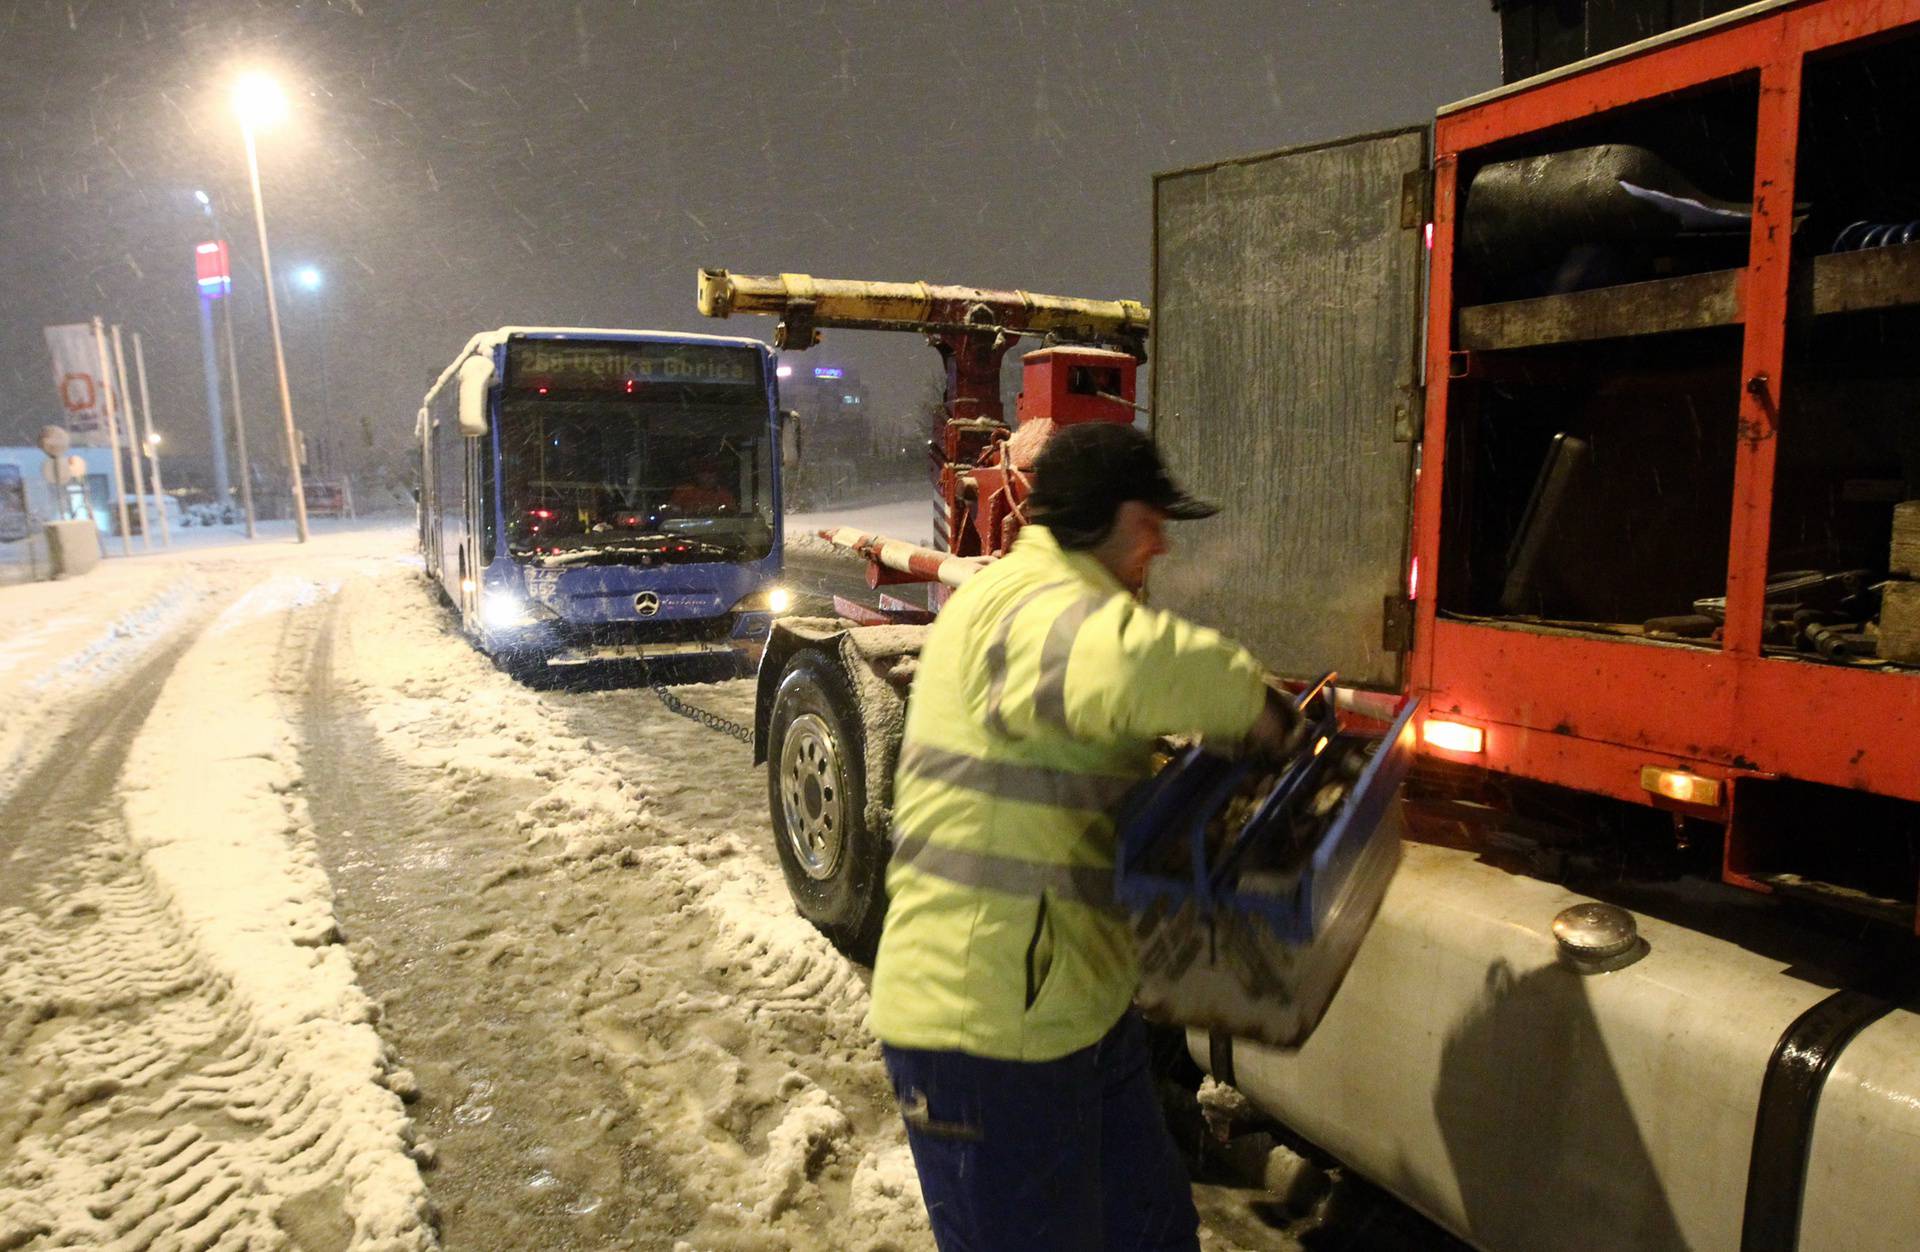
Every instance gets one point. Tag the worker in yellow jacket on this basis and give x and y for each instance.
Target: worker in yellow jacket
(1003, 986)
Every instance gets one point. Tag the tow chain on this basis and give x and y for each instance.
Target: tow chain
(712, 721)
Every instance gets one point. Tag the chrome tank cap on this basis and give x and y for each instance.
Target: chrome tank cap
(1595, 938)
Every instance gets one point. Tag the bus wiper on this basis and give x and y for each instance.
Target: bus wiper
(622, 547)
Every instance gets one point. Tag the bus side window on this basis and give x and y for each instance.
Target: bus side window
(488, 494)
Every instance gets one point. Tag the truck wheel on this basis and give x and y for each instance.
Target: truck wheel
(816, 786)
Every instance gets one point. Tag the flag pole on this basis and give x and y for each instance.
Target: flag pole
(113, 438)
(153, 444)
(133, 443)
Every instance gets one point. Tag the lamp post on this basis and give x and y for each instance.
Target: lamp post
(259, 103)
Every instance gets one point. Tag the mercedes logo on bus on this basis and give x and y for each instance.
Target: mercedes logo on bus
(646, 604)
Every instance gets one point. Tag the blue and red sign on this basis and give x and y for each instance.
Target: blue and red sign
(210, 268)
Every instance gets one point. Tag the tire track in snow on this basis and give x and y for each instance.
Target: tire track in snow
(145, 1108)
(735, 1029)
(44, 703)
(531, 1144)
(145, 1101)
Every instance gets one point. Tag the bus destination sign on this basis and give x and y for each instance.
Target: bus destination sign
(570, 366)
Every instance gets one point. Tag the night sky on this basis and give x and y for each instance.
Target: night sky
(452, 167)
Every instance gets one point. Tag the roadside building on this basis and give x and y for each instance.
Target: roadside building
(40, 498)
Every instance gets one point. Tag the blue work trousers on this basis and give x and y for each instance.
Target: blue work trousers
(1055, 1156)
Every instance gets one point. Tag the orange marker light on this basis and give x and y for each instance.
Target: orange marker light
(1681, 785)
(1453, 736)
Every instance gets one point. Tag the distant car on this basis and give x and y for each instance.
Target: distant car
(176, 515)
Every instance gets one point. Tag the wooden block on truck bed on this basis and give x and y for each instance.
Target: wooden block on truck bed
(1905, 562)
(1900, 623)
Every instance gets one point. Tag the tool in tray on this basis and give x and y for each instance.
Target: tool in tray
(1250, 887)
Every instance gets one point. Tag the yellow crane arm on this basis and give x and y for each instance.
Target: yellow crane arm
(804, 303)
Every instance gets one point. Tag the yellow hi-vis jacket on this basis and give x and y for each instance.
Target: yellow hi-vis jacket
(1040, 691)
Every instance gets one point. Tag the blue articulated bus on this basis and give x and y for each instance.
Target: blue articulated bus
(595, 495)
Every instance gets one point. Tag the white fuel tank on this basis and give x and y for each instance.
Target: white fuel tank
(1524, 1104)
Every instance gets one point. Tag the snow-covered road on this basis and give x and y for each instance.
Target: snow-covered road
(318, 932)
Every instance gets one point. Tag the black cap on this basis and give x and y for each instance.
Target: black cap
(1088, 470)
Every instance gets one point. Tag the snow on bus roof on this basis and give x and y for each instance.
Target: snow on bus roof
(487, 340)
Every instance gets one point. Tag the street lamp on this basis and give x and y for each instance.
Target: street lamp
(258, 100)
(307, 278)
(259, 103)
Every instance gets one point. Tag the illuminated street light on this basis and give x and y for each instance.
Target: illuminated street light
(206, 201)
(308, 278)
(154, 439)
(258, 101)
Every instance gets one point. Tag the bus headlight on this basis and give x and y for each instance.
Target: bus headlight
(775, 600)
(504, 610)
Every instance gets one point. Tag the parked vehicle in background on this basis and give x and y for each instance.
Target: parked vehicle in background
(328, 497)
(176, 515)
(604, 495)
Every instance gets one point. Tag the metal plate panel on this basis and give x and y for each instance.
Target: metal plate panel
(1286, 323)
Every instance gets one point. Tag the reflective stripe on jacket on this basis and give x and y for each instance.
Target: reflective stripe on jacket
(1039, 694)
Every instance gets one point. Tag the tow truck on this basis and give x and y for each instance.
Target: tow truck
(1579, 424)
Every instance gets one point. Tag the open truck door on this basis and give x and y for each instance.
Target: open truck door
(1285, 385)
(1286, 388)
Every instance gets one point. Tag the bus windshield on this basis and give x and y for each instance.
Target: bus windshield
(620, 466)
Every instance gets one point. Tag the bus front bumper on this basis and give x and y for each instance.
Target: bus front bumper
(595, 653)
(745, 638)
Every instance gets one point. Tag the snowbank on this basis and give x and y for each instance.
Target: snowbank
(60, 642)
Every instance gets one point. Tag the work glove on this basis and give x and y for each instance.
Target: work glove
(1278, 732)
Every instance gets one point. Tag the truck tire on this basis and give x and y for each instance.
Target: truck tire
(836, 866)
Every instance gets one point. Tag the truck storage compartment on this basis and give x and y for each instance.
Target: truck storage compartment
(1541, 35)
(1849, 444)
(1591, 486)
(1594, 418)
(1848, 456)
(1835, 847)
(1594, 428)
(1653, 192)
